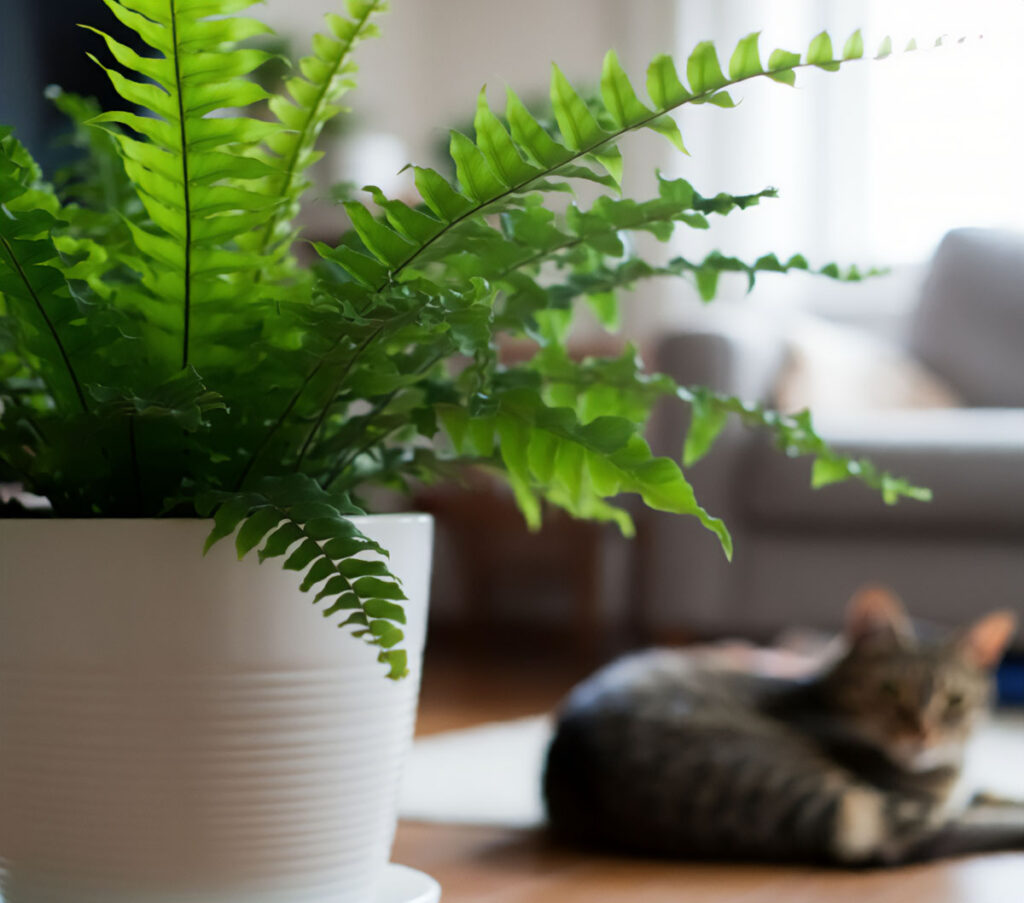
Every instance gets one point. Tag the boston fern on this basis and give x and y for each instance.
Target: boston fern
(163, 353)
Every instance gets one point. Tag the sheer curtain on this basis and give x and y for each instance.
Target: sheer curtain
(945, 129)
(873, 164)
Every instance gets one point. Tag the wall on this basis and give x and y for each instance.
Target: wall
(423, 74)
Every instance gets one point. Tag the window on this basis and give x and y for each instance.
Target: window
(875, 163)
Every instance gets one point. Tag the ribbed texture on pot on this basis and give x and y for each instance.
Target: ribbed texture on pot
(141, 782)
(282, 776)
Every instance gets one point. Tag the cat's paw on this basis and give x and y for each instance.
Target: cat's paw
(861, 828)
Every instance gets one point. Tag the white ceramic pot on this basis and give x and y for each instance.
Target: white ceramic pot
(180, 728)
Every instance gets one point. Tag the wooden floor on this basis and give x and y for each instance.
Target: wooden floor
(493, 865)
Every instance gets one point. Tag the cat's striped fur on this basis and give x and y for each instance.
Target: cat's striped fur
(663, 754)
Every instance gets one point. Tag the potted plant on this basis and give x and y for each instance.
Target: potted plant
(175, 726)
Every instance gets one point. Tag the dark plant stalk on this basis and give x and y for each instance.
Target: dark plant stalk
(285, 414)
(23, 276)
(133, 454)
(334, 393)
(347, 461)
(339, 469)
(186, 193)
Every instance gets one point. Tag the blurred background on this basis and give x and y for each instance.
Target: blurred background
(912, 163)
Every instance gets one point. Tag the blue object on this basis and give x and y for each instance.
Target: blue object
(1010, 681)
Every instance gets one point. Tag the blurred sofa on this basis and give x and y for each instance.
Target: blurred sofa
(800, 553)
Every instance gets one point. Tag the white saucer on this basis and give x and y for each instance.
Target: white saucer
(402, 884)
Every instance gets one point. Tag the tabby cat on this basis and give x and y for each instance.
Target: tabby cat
(663, 754)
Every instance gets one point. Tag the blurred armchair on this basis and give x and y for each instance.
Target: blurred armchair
(800, 552)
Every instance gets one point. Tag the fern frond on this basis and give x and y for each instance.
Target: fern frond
(295, 519)
(94, 189)
(547, 452)
(35, 293)
(598, 278)
(326, 75)
(596, 386)
(505, 163)
(194, 175)
(183, 399)
(794, 435)
(705, 273)
(530, 235)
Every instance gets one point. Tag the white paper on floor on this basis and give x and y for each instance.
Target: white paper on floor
(490, 774)
(486, 775)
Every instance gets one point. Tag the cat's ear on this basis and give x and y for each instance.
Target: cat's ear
(876, 619)
(985, 641)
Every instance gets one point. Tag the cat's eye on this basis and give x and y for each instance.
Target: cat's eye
(889, 688)
(954, 701)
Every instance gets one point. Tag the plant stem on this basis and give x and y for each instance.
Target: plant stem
(186, 191)
(334, 392)
(349, 460)
(265, 441)
(23, 276)
(133, 453)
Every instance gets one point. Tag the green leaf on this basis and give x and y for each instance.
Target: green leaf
(820, 52)
(225, 520)
(707, 420)
(514, 439)
(666, 125)
(255, 527)
(703, 70)
(746, 59)
(386, 245)
(322, 569)
(397, 661)
(381, 608)
(374, 586)
(385, 634)
(619, 97)
(303, 556)
(781, 64)
(280, 541)
(415, 225)
(579, 128)
(498, 148)
(360, 567)
(606, 306)
(826, 470)
(541, 148)
(439, 196)
(663, 84)
(853, 49)
(475, 175)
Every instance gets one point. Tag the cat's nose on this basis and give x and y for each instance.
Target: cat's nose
(913, 724)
